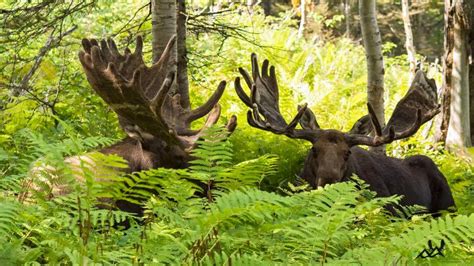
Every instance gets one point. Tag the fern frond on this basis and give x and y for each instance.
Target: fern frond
(9, 213)
(455, 231)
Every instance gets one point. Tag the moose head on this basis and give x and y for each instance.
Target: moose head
(330, 155)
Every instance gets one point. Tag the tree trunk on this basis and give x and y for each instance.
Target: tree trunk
(163, 20)
(303, 19)
(267, 7)
(411, 52)
(347, 15)
(442, 130)
(471, 69)
(459, 133)
(471, 92)
(455, 127)
(250, 4)
(182, 74)
(375, 68)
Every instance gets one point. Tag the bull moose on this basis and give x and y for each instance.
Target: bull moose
(335, 155)
(155, 119)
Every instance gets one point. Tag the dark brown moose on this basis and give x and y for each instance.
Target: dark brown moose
(335, 155)
(156, 122)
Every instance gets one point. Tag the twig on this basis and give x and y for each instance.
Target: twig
(50, 44)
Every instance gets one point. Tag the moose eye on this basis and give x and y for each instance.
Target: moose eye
(314, 150)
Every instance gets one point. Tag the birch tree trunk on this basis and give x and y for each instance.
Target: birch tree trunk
(373, 51)
(455, 122)
(182, 63)
(471, 68)
(303, 19)
(442, 129)
(471, 84)
(459, 132)
(163, 21)
(411, 52)
(347, 15)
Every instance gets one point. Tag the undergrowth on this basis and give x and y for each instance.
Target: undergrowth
(244, 211)
(234, 222)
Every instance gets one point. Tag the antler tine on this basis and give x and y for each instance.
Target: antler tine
(356, 139)
(121, 80)
(165, 56)
(374, 119)
(411, 130)
(246, 77)
(104, 47)
(294, 122)
(308, 120)
(421, 99)
(264, 102)
(139, 46)
(87, 45)
(258, 119)
(257, 123)
(157, 102)
(190, 137)
(113, 48)
(240, 92)
(255, 70)
(156, 74)
(211, 120)
(231, 124)
(207, 106)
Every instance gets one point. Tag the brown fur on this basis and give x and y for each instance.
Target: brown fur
(149, 154)
(416, 178)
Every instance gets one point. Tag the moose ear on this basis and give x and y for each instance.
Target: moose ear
(308, 120)
(363, 126)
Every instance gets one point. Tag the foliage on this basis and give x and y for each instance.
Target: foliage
(234, 222)
(234, 205)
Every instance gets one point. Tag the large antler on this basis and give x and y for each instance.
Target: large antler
(419, 105)
(140, 94)
(264, 102)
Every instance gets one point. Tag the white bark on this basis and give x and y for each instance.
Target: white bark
(373, 51)
(303, 19)
(459, 124)
(347, 15)
(250, 4)
(411, 52)
(163, 20)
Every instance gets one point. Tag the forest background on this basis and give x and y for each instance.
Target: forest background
(49, 112)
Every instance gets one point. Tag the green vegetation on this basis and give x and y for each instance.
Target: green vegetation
(253, 214)
(240, 223)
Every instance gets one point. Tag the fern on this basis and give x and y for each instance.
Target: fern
(455, 231)
(239, 223)
(9, 214)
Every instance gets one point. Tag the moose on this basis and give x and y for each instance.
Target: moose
(157, 123)
(335, 155)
